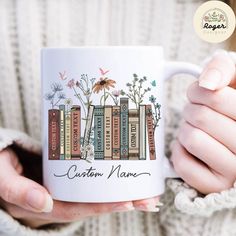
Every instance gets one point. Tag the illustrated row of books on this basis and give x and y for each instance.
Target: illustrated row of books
(120, 133)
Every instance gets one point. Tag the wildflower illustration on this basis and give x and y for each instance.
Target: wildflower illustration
(68, 103)
(136, 90)
(156, 111)
(103, 85)
(83, 91)
(115, 94)
(55, 95)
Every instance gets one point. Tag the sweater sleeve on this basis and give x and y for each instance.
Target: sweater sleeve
(10, 226)
(187, 199)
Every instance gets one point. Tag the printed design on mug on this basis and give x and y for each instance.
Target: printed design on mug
(113, 130)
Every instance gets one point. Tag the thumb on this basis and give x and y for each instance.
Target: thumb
(219, 72)
(19, 190)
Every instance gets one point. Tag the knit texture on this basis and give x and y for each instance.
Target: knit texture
(28, 25)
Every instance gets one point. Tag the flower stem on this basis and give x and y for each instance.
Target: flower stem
(81, 100)
(104, 97)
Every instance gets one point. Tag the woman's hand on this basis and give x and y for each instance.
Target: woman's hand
(204, 153)
(29, 202)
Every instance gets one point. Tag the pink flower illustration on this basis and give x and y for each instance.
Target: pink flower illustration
(71, 83)
(116, 93)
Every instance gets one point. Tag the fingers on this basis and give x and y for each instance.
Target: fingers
(150, 204)
(19, 190)
(208, 150)
(219, 73)
(64, 212)
(222, 101)
(218, 126)
(196, 173)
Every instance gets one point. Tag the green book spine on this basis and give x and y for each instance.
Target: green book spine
(99, 132)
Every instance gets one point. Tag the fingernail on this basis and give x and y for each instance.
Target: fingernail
(48, 204)
(39, 200)
(210, 79)
(159, 204)
(150, 206)
(220, 52)
(123, 207)
(147, 208)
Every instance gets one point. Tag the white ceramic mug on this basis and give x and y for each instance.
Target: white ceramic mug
(103, 126)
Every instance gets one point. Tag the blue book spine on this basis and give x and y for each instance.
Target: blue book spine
(124, 128)
(99, 132)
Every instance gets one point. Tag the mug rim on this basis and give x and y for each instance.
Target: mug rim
(107, 47)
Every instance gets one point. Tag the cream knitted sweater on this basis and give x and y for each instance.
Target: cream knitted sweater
(27, 25)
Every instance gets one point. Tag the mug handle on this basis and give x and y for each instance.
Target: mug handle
(172, 68)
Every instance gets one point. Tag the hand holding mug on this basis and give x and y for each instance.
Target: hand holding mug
(29, 202)
(204, 153)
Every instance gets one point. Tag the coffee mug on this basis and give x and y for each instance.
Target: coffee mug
(103, 122)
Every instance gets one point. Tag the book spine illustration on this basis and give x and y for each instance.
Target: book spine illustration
(142, 132)
(75, 132)
(108, 132)
(68, 135)
(88, 126)
(99, 132)
(54, 134)
(150, 131)
(116, 132)
(133, 134)
(62, 131)
(124, 128)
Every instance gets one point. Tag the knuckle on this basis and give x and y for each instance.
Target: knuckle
(180, 170)
(179, 163)
(63, 215)
(217, 100)
(191, 140)
(223, 185)
(219, 187)
(97, 209)
(201, 118)
(190, 90)
(66, 214)
(13, 211)
(220, 184)
(6, 191)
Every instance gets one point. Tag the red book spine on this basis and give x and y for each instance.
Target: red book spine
(75, 132)
(150, 131)
(53, 134)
